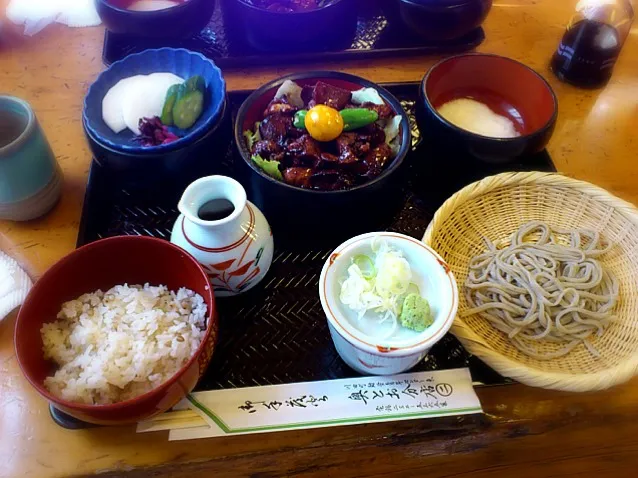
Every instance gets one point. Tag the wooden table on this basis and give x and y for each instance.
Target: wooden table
(524, 432)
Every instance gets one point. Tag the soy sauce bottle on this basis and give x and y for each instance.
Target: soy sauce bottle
(590, 47)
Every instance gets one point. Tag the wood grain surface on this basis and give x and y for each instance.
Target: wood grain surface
(524, 432)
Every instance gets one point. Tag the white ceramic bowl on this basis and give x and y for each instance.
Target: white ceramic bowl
(365, 353)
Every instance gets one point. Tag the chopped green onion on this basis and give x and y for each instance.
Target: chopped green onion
(365, 265)
(377, 243)
(413, 289)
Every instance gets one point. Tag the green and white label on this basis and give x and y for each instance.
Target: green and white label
(330, 403)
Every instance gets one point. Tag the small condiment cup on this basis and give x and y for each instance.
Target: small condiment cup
(367, 354)
(30, 178)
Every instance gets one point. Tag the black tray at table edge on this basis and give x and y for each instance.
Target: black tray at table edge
(466, 43)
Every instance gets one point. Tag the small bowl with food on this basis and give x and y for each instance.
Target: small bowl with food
(323, 152)
(437, 20)
(152, 103)
(155, 18)
(492, 107)
(114, 344)
(388, 299)
(293, 25)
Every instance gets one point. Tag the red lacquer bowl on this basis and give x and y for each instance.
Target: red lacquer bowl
(508, 87)
(102, 265)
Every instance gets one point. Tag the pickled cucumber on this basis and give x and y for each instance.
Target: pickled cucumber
(188, 108)
(169, 103)
(196, 83)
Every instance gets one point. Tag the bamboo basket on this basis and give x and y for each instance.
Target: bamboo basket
(496, 207)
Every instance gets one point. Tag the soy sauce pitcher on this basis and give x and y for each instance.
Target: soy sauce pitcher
(591, 45)
(227, 234)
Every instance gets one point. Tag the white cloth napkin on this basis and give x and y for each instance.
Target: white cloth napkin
(37, 14)
(14, 285)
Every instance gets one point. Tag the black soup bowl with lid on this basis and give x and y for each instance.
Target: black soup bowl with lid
(306, 214)
(183, 20)
(270, 25)
(507, 87)
(437, 20)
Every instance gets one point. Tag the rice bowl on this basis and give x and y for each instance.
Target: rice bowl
(140, 260)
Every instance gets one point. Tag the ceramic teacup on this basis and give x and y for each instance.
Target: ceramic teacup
(30, 178)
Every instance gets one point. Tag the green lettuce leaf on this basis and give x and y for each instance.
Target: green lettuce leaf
(252, 138)
(271, 168)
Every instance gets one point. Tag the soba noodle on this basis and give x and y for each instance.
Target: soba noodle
(539, 289)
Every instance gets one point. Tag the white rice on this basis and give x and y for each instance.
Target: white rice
(115, 346)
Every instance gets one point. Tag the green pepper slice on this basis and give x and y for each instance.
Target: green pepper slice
(353, 118)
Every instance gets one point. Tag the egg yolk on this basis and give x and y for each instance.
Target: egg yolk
(324, 123)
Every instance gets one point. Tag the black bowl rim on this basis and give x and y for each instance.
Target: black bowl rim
(441, 3)
(152, 152)
(166, 12)
(332, 4)
(397, 162)
(464, 132)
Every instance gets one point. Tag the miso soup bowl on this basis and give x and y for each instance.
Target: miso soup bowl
(507, 87)
(365, 352)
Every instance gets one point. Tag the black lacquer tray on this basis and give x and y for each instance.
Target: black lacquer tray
(278, 333)
(374, 37)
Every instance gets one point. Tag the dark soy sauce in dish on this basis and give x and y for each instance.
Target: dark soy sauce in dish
(216, 210)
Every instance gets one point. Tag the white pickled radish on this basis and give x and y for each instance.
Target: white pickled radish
(113, 102)
(145, 98)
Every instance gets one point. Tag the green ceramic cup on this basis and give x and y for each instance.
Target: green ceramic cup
(30, 178)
